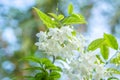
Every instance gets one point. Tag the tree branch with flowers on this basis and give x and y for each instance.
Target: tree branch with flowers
(66, 55)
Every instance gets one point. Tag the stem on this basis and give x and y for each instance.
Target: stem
(53, 59)
(112, 57)
(53, 62)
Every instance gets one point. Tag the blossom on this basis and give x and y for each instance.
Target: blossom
(85, 68)
(59, 42)
(62, 42)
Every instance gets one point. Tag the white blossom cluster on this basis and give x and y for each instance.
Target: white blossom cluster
(63, 42)
(59, 41)
(85, 68)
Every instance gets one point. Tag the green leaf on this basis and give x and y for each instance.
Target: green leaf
(55, 75)
(31, 58)
(95, 44)
(60, 17)
(99, 59)
(53, 68)
(58, 69)
(74, 19)
(112, 70)
(116, 60)
(49, 66)
(112, 78)
(73, 33)
(70, 9)
(35, 68)
(46, 19)
(53, 15)
(111, 41)
(60, 58)
(41, 76)
(45, 61)
(38, 60)
(104, 51)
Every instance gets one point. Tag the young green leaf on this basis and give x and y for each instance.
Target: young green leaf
(60, 17)
(41, 76)
(70, 9)
(111, 41)
(31, 58)
(104, 51)
(53, 68)
(45, 61)
(116, 60)
(46, 19)
(99, 59)
(53, 15)
(55, 75)
(74, 19)
(95, 44)
(60, 58)
(73, 33)
(112, 78)
(49, 66)
(34, 68)
(112, 70)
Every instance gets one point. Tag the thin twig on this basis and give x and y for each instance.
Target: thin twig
(112, 57)
(53, 59)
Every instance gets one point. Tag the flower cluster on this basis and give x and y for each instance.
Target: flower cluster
(59, 41)
(63, 42)
(85, 68)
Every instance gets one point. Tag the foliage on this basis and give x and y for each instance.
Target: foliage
(104, 43)
(112, 70)
(113, 78)
(116, 60)
(46, 69)
(54, 20)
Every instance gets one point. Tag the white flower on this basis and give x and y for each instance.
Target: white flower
(59, 42)
(67, 31)
(85, 67)
(99, 73)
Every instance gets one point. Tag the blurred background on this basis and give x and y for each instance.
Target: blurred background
(19, 24)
